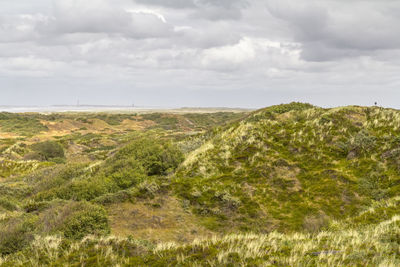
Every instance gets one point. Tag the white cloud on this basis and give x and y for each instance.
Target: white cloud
(148, 11)
(30, 66)
(229, 57)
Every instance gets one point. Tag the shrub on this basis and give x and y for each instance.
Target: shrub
(76, 220)
(16, 233)
(125, 173)
(90, 220)
(156, 156)
(82, 190)
(362, 142)
(8, 204)
(375, 185)
(283, 108)
(148, 189)
(133, 164)
(32, 206)
(129, 167)
(117, 197)
(55, 177)
(48, 150)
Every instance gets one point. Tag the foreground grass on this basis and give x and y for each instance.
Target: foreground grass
(376, 245)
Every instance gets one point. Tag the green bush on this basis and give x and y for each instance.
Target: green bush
(124, 172)
(283, 108)
(75, 220)
(117, 197)
(16, 233)
(55, 177)
(8, 204)
(158, 157)
(375, 185)
(362, 143)
(129, 167)
(33, 206)
(88, 220)
(48, 150)
(75, 190)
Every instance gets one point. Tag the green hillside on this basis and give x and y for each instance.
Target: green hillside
(294, 167)
(287, 185)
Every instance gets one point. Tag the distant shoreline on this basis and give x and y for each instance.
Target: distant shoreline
(115, 108)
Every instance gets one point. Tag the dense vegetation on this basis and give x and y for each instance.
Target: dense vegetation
(286, 185)
(293, 167)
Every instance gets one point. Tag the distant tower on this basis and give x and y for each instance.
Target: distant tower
(376, 103)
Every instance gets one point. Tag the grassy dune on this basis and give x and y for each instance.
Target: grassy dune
(286, 185)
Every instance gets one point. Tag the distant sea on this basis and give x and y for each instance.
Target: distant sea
(123, 109)
(81, 108)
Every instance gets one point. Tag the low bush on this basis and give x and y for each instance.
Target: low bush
(75, 190)
(16, 233)
(48, 150)
(75, 220)
(117, 197)
(283, 108)
(158, 157)
(55, 177)
(8, 204)
(362, 143)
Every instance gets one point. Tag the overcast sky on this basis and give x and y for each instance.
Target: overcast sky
(174, 53)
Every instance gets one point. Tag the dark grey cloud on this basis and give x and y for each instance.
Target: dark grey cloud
(216, 13)
(77, 17)
(169, 3)
(334, 29)
(214, 10)
(194, 3)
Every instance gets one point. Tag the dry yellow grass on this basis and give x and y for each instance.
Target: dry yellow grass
(165, 223)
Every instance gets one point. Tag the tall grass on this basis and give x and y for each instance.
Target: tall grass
(376, 245)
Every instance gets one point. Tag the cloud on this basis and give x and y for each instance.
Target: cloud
(169, 3)
(214, 36)
(330, 30)
(213, 10)
(19, 28)
(30, 66)
(99, 16)
(179, 48)
(216, 13)
(229, 57)
(261, 56)
(194, 3)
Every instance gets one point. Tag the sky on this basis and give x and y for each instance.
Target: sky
(199, 53)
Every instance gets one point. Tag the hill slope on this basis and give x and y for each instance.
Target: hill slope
(293, 167)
